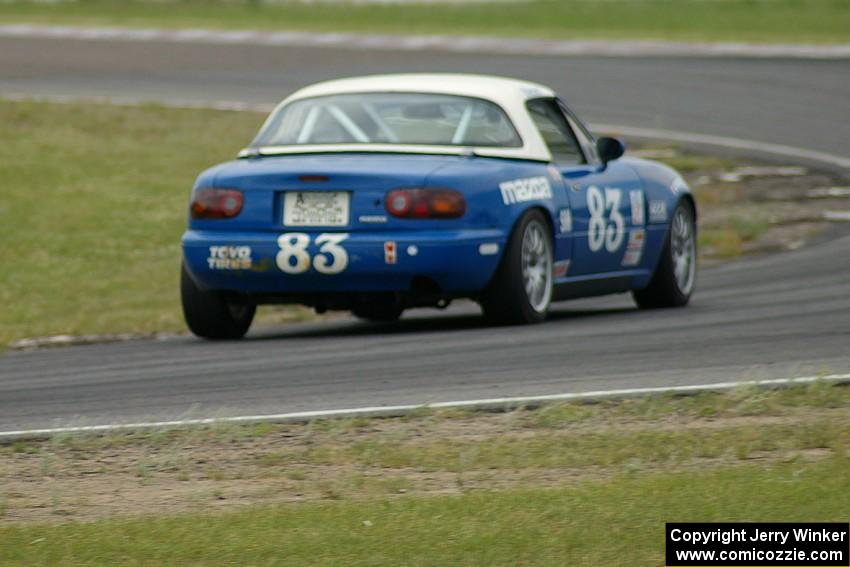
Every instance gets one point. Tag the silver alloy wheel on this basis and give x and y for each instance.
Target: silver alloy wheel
(537, 266)
(684, 251)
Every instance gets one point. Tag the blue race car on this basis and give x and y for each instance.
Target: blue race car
(383, 193)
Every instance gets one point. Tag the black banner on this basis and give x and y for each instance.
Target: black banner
(758, 544)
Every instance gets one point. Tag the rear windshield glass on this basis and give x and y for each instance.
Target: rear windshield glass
(390, 118)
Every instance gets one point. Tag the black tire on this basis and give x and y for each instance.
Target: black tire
(506, 301)
(210, 315)
(382, 311)
(665, 289)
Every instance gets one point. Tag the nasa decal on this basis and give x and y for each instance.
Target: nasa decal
(658, 211)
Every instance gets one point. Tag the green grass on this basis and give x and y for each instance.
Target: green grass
(92, 208)
(705, 20)
(614, 522)
(728, 240)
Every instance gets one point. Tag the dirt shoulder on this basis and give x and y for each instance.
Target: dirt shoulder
(86, 477)
(750, 207)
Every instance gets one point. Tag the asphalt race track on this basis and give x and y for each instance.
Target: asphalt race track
(795, 102)
(774, 317)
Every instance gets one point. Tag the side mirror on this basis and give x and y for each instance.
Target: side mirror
(610, 149)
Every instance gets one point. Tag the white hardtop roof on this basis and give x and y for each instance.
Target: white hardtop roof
(510, 94)
(496, 89)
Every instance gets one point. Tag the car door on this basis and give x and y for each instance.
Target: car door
(607, 210)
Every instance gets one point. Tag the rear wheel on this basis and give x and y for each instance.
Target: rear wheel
(521, 290)
(209, 314)
(675, 277)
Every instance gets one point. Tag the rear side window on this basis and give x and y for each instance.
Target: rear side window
(556, 132)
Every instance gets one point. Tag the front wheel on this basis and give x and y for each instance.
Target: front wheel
(675, 277)
(521, 289)
(209, 314)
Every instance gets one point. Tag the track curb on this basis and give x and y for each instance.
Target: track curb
(491, 404)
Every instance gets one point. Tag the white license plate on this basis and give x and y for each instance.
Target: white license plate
(316, 208)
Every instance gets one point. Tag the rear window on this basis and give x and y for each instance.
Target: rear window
(390, 118)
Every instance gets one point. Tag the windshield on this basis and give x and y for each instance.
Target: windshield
(390, 118)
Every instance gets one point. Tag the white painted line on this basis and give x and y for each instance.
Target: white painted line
(466, 44)
(837, 216)
(631, 131)
(133, 101)
(829, 193)
(400, 410)
(723, 141)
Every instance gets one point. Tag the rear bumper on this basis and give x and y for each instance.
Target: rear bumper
(458, 261)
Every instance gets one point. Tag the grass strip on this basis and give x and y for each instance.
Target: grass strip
(615, 522)
(689, 20)
(92, 208)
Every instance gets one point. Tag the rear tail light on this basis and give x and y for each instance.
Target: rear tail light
(210, 203)
(425, 204)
